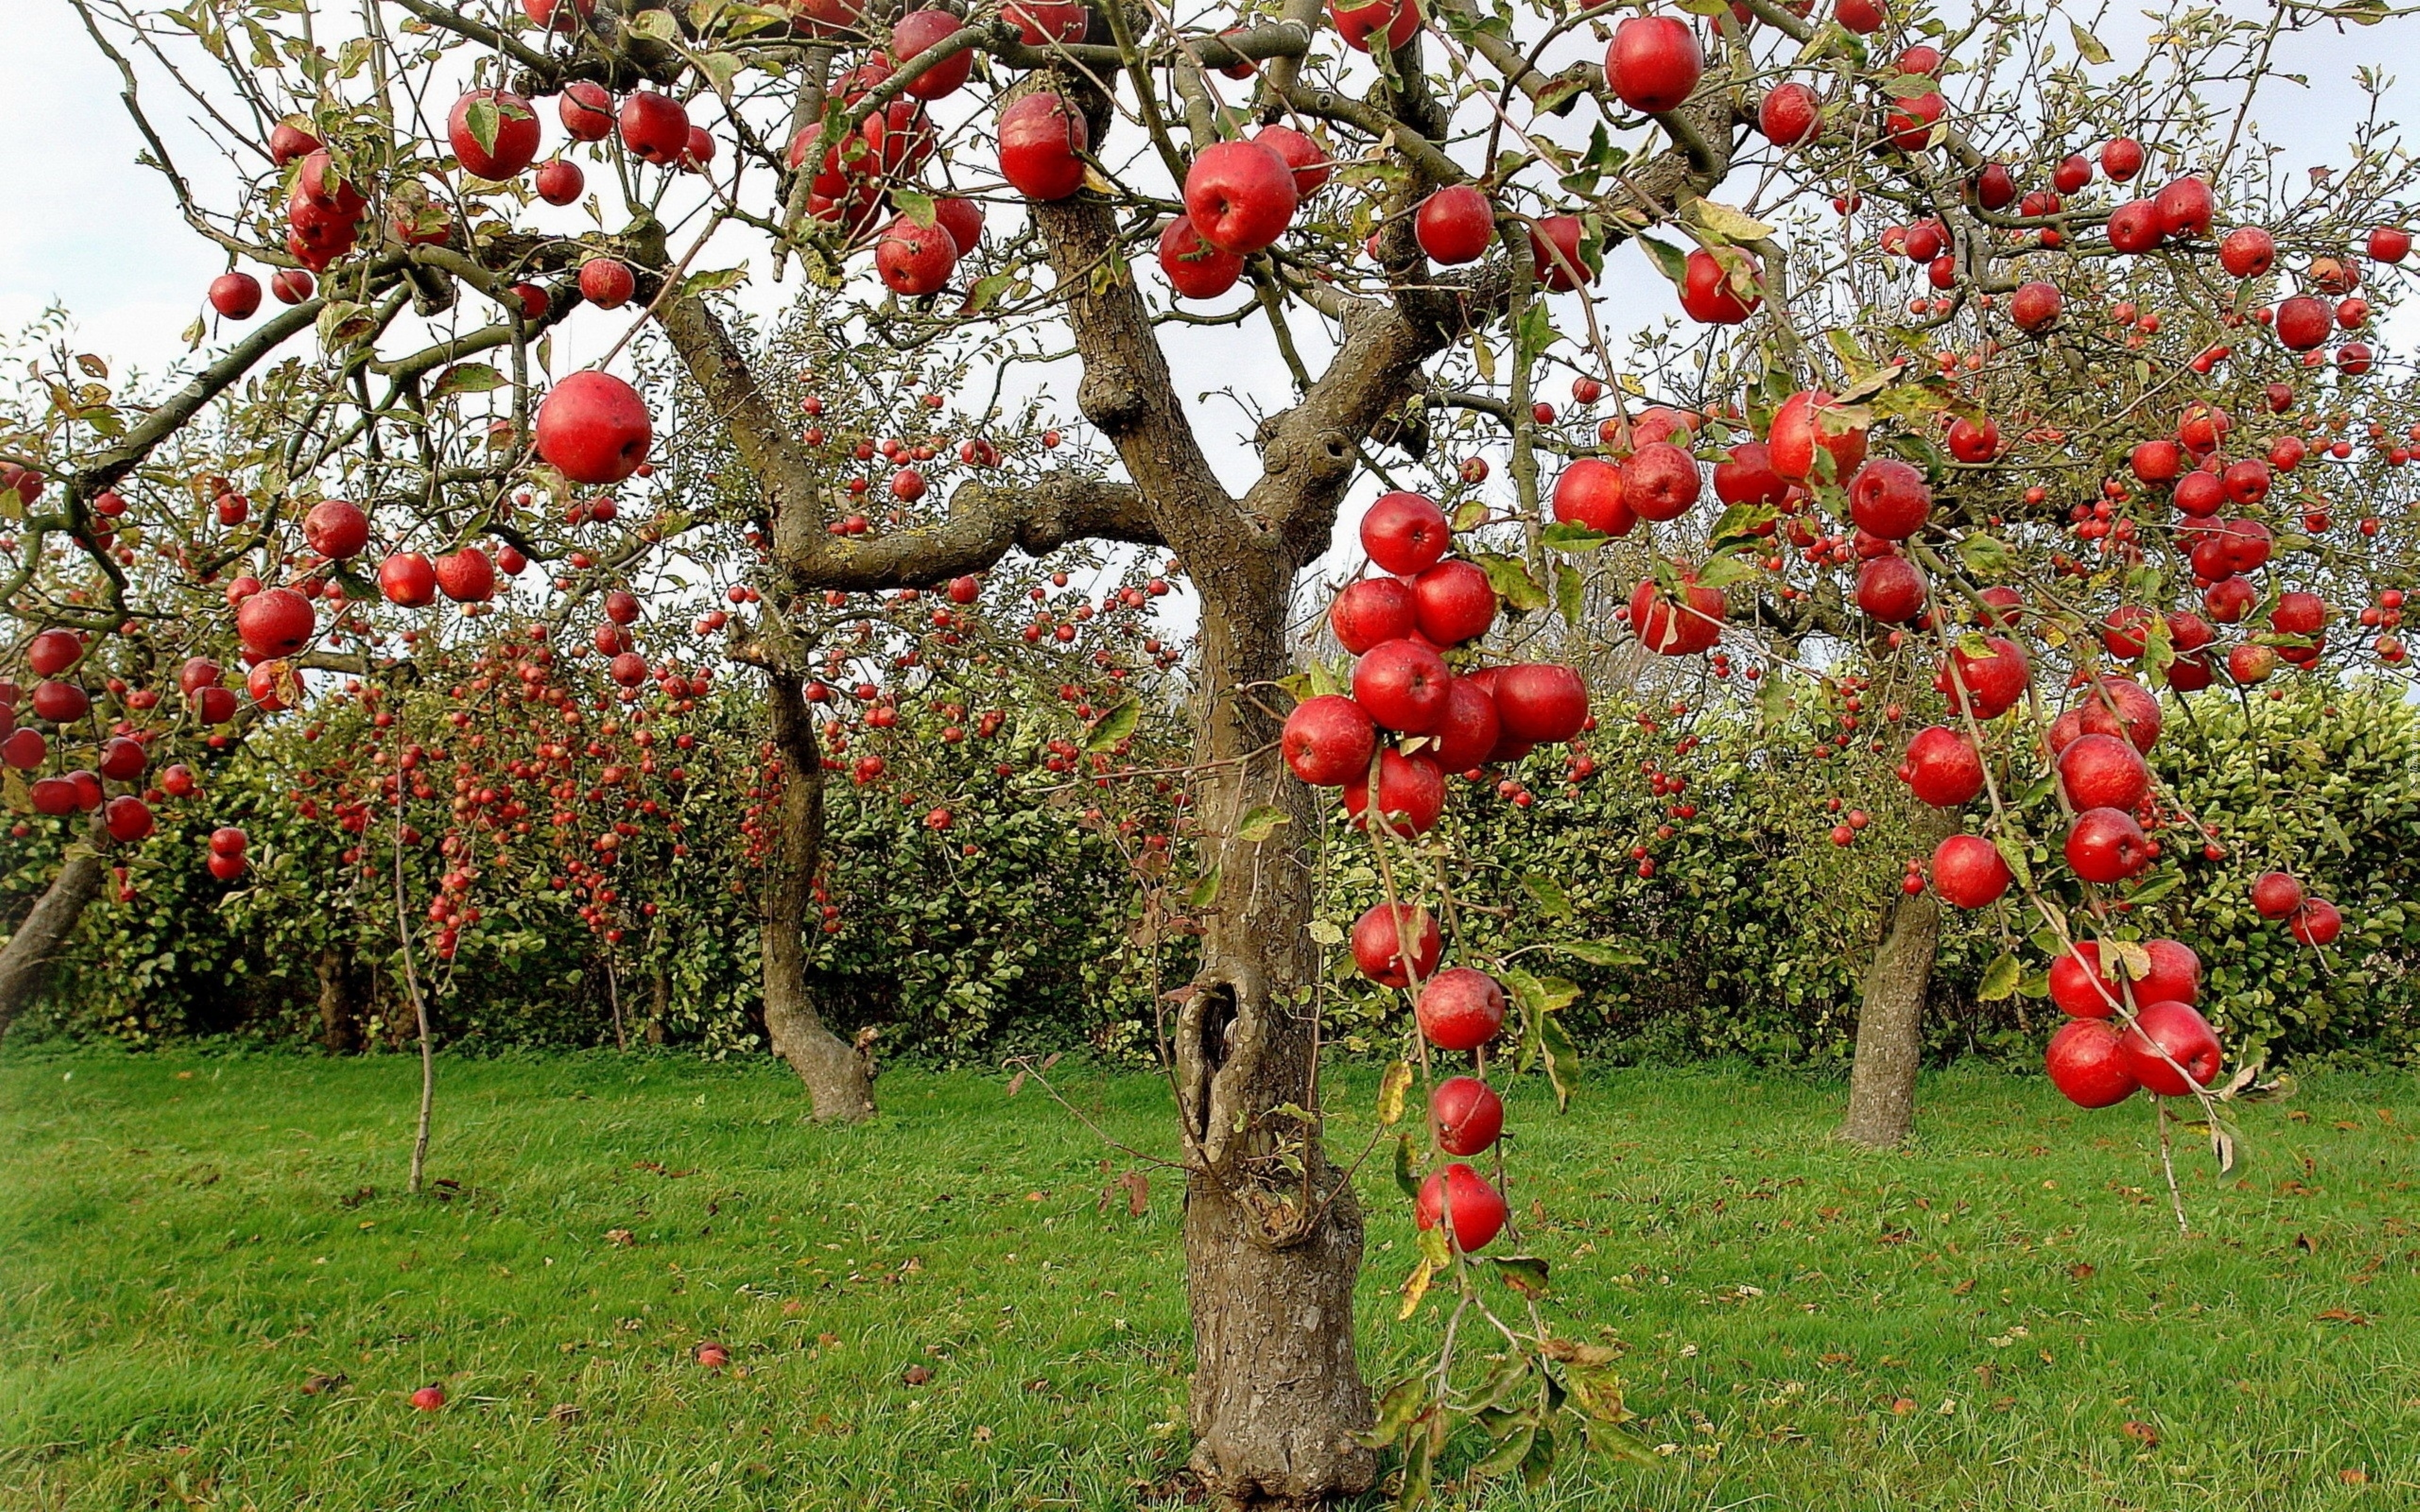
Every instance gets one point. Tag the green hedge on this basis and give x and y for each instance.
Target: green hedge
(1750, 940)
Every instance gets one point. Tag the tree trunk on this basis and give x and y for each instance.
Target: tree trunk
(660, 1002)
(1890, 1024)
(1272, 1231)
(25, 964)
(839, 1077)
(340, 1028)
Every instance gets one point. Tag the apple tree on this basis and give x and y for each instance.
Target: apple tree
(1400, 212)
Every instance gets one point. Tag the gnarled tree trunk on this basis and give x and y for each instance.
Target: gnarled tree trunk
(25, 964)
(1270, 1255)
(839, 1077)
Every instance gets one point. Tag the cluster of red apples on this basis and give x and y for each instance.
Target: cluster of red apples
(1410, 720)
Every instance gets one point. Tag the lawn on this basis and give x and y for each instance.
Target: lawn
(2003, 1317)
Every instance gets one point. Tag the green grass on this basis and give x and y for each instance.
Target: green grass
(1971, 1325)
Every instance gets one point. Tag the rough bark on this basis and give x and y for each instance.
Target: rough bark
(1890, 1026)
(1272, 1232)
(660, 1002)
(839, 1078)
(340, 1027)
(25, 964)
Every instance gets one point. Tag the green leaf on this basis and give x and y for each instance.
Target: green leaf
(2156, 889)
(468, 377)
(720, 69)
(1512, 580)
(656, 25)
(1551, 896)
(1509, 1451)
(713, 281)
(2010, 843)
(1393, 1089)
(1597, 953)
(342, 322)
(1668, 259)
(2086, 43)
(1112, 727)
(1523, 1273)
(1407, 1171)
(484, 121)
(1987, 556)
(1570, 593)
(1260, 823)
(1740, 523)
(1566, 535)
(918, 208)
(1725, 222)
(1999, 979)
(1726, 568)
(1205, 892)
(1397, 1406)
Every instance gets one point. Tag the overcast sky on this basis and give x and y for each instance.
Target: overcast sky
(80, 224)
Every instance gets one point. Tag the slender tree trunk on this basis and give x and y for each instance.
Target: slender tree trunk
(339, 1014)
(1270, 1257)
(839, 1077)
(658, 1004)
(25, 964)
(1890, 1024)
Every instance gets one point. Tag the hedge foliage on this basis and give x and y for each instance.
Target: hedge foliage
(1009, 929)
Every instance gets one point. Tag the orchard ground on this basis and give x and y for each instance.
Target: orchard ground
(957, 1305)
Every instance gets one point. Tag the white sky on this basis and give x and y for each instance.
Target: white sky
(80, 224)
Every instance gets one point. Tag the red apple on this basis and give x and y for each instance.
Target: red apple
(2316, 922)
(1195, 269)
(1589, 494)
(654, 127)
(2106, 846)
(1329, 741)
(2168, 1043)
(1942, 767)
(275, 621)
(1466, 1114)
(1968, 871)
(1455, 225)
(1402, 684)
(1660, 482)
(1040, 136)
(1240, 196)
(1891, 588)
(407, 580)
(1453, 602)
(1889, 499)
(1461, 1009)
(560, 181)
(585, 109)
(1311, 162)
(494, 134)
(915, 261)
(2275, 894)
(2087, 1066)
(1470, 730)
(1377, 944)
(1653, 63)
(1806, 420)
(1789, 114)
(593, 428)
(1476, 1212)
(607, 282)
(466, 577)
(1373, 610)
(918, 31)
(2103, 772)
(1405, 534)
(236, 296)
(1540, 702)
(1411, 794)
